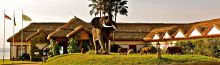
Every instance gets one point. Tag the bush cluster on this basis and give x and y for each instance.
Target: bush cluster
(207, 47)
(73, 47)
(24, 57)
(36, 59)
(54, 48)
(114, 48)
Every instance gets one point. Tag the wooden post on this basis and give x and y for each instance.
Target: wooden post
(80, 45)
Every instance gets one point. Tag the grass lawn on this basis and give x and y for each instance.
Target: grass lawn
(7, 61)
(132, 59)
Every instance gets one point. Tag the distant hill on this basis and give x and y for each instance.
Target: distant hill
(6, 54)
(6, 50)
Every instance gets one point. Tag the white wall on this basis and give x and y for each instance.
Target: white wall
(214, 30)
(166, 35)
(139, 47)
(195, 32)
(156, 36)
(163, 44)
(179, 35)
(125, 44)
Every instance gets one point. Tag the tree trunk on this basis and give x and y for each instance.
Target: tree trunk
(116, 11)
(31, 50)
(100, 12)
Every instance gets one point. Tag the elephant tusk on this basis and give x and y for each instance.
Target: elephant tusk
(114, 27)
(105, 25)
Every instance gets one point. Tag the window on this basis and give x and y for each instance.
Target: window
(21, 50)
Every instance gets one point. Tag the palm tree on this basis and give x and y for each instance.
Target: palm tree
(97, 7)
(108, 6)
(120, 7)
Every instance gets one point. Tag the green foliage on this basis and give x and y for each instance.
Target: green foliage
(24, 57)
(73, 48)
(208, 47)
(36, 58)
(108, 6)
(131, 59)
(187, 46)
(114, 48)
(154, 49)
(54, 47)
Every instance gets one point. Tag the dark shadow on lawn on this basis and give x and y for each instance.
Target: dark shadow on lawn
(197, 63)
(159, 61)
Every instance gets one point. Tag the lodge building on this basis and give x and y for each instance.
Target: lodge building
(127, 35)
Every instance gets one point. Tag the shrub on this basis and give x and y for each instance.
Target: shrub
(73, 48)
(50, 54)
(114, 48)
(54, 47)
(24, 57)
(36, 58)
(187, 46)
(207, 47)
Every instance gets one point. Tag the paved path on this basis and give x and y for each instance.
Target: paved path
(37, 63)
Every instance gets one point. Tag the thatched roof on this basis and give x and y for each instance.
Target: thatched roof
(128, 36)
(125, 31)
(203, 27)
(32, 29)
(76, 30)
(68, 27)
(137, 31)
(171, 30)
(35, 34)
(141, 27)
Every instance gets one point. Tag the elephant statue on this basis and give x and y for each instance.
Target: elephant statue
(101, 29)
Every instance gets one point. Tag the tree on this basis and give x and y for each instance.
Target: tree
(120, 7)
(73, 48)
(54, 47)
(97, 7)
(108, 6)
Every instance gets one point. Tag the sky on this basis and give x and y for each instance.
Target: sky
(139, 11)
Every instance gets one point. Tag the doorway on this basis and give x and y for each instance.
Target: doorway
(133, 47)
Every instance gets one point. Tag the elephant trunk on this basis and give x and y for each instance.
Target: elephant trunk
(114, 26)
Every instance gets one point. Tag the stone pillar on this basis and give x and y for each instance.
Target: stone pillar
(80, 45)
(158, 50)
